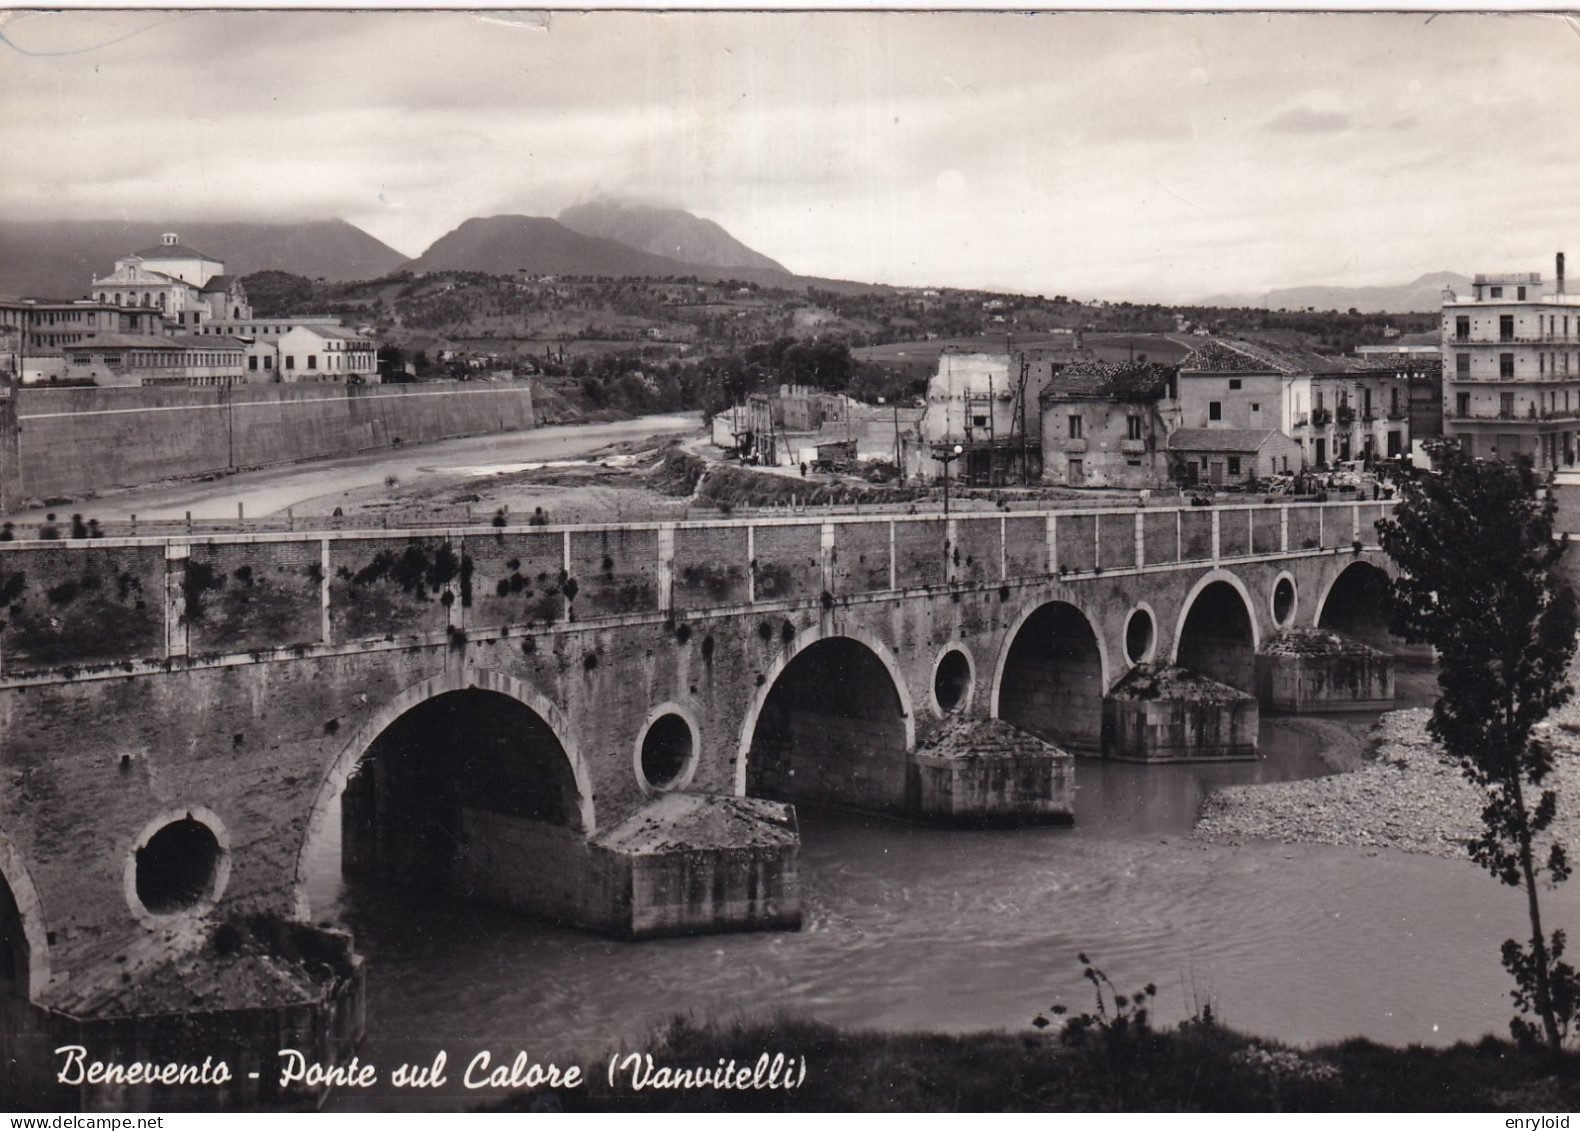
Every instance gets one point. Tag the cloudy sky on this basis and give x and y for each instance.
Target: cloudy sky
(1121, 155)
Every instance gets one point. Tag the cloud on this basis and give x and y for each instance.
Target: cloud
(1084, 150)
(1304, 120)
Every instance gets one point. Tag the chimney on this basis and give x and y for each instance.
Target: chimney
(1560, 272)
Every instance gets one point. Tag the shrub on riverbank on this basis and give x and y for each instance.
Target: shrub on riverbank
(1198, 1066)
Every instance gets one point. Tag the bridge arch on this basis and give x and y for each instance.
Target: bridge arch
(360, 744)
(23, 931)
(1217, 634)
(1051, 675)
(1351, 604)
(850, 676)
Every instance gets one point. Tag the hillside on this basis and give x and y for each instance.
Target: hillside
(59, 258)
(670, 232)
(536, 245)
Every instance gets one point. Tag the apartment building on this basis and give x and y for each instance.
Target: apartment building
(1511, 368)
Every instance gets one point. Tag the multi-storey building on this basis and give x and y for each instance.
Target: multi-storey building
(1107, 425)
(1334, 408)
(1511, 369)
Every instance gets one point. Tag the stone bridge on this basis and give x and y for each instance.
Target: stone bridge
(605, 724)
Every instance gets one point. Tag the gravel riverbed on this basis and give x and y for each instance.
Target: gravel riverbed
(1401, 795)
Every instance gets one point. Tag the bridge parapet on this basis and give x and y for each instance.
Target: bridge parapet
(74, 606)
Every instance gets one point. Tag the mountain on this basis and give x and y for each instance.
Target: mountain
(1422, 296)
(671, 232)
(59, 258)
(503, 245)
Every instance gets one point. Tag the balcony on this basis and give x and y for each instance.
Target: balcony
(1320, 417)
(1541, 339)
(1073, 446)
(1132, 447)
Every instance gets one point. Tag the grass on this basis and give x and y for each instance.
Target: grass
(1199, 1066)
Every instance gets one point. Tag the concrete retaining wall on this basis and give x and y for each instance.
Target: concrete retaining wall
(70, 441)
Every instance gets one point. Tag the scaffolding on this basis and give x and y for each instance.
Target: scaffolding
(990, 458)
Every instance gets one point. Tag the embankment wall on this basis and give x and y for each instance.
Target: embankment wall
(66, 442)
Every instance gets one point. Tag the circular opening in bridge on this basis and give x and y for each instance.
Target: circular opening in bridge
(176, 869)
(1140, 635)
(1283, 602)
(666, 751)
(952, 680)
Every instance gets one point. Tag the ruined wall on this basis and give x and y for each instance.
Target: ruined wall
(71, 441)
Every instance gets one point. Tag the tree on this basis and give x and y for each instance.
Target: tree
(1480, 583)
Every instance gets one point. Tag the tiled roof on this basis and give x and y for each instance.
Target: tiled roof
(173, 251)
(1128, 381)
(1219, 439)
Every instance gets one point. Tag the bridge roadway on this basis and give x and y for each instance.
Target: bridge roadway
(604, 724)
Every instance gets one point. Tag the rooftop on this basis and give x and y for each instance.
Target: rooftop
(173, 251)
(1137, 382)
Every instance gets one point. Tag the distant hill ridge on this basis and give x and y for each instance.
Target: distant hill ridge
(59, 258)
(671, 232)
(1423, 295)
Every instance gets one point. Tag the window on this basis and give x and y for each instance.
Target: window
(1462, 328)
(1505, 365)
(1506, 405)
(976, 421)
(1496, 292)
(1234, 383)
(1505, 327)
(1462, 365)
(312, 361)
(1255, 407)
(1133, 427)
(1519, 293)
(290, 361)
(268, 362)
(1214, 410)
(1234, 465)
(1462, 404)
(252, 362)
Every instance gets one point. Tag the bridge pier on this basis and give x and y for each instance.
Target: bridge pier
(1172, 714)
(986, 772)
(1313, 669)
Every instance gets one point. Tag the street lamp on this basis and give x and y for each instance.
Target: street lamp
(947, 456)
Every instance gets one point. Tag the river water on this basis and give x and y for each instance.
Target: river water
(908, 926)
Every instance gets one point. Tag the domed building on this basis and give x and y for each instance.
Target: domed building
(187, 286)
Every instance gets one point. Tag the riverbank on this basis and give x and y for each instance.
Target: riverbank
(1198, 1066)
(1402, 795)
